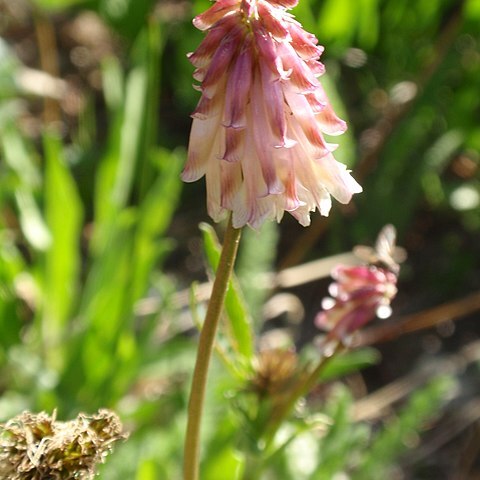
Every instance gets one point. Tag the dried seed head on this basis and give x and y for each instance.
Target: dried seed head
(274, 372)
(37, 447)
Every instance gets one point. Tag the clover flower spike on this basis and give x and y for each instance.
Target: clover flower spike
(258, 129)
(359, 294)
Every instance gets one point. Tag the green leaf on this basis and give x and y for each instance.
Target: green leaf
(155, 215)
(226, 460)
(12, 267)
(256, 258)
(59, 4)
(368, 23)
(237, 313)
(341, 365)
(130, 135)
(220, 455)
(113, 81)
(31, 220)
(147, 470)
(101, 359)
(63, 214)
(126, 16)
(472, 10)
(338, 20)
(115, 179)
(343, 440)
(9, 65)
(19, 157)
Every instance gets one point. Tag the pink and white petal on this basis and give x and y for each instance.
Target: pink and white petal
(252, 169)
(317, 193)
(317, 68)
(238, 88)
(302, 215)
(279, 212)
(221, 61)
(330, 123)
(327, 120)
(324, 201)
(207, 48)
(251, 211)
(199, 75)
(273, 97)
(201, 148)
(272, 20)
(264, 210)
(307, 171)
(215, 13)
(234, 145)
(301, 77)
(231, 178)
(337, 179)
(291, 200)
(214, 191)
(284, 3)
(240, 212)
(303, 125)
(209, 107)
(315, 104)
(305, 44)
(267, 49)
(263, 138)
(303, 115)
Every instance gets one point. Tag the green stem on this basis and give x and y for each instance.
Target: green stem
(253, 467)
(204, 352)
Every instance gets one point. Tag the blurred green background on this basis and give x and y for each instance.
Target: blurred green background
(99, 239)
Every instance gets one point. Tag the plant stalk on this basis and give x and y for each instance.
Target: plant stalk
(204, 352)
(253, 468)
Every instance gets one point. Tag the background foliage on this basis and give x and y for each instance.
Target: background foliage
(99, 239)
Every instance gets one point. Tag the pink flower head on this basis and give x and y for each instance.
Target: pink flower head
(257, 132)
(358, 295)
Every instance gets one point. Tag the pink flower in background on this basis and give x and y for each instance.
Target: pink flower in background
(359, 294)
(257, 132)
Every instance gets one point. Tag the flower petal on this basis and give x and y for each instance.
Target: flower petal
(215, 13)
(238, 89)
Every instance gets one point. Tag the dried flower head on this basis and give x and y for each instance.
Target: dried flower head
(360, 293)
(37, 447)
(258, 130)
(275, 370)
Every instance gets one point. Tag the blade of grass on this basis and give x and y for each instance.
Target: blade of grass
(31, 221)
(155, 214)
(61, 263)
